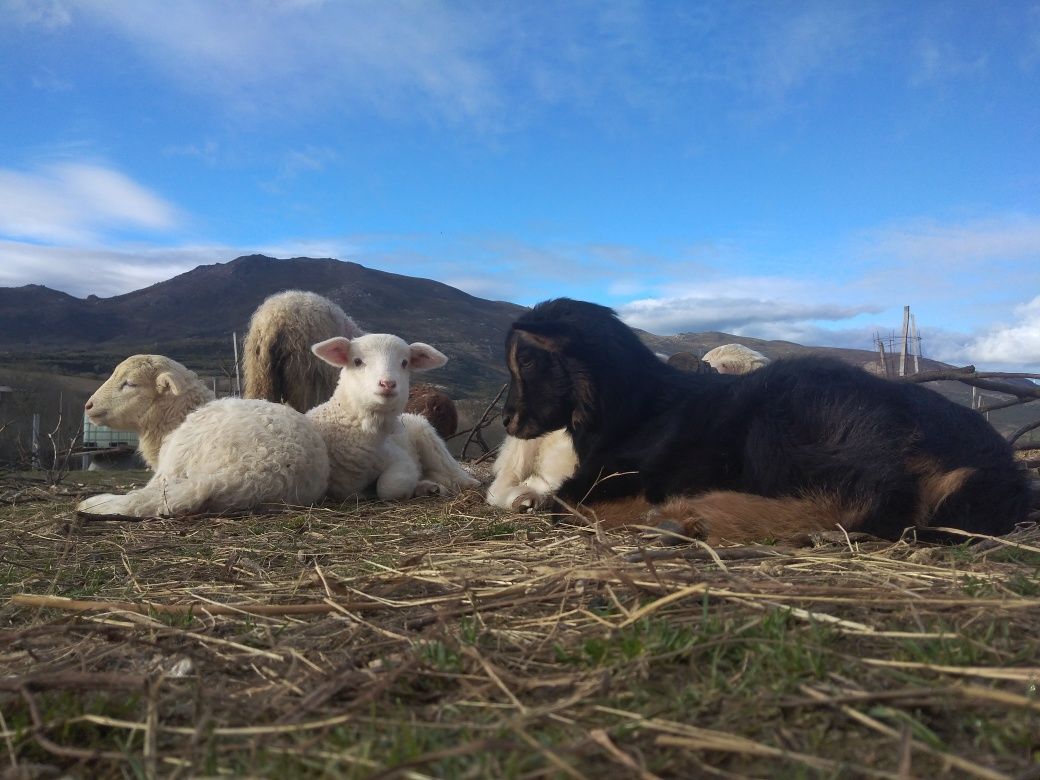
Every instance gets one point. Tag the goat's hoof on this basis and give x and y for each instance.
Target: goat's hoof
(669, 530)
(528, 501)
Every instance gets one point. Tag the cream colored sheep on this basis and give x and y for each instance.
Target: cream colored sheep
(277, 360)
(208, 455)
(735, 359)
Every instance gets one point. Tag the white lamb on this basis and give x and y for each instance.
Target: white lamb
(368, 438)
(735, 359)
(208, 455)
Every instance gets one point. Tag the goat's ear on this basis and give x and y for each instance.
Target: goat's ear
(423, 357)
(166, 382)
(334, 351)
(550, 336)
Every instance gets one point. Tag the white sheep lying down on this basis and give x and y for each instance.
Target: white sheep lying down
(232, 454)
(369, 440)
(735, 359)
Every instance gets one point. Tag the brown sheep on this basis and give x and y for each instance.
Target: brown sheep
(436, 407)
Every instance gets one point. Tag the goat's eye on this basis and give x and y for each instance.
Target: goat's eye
(404, 364)
(359, 362)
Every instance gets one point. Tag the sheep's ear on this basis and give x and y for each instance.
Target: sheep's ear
(550, 336)
(334, 351)
(166, 382)
(423, 357)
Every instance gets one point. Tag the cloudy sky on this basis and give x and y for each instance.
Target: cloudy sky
(781, 170)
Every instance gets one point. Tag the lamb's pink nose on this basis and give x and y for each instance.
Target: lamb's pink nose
(388, 384)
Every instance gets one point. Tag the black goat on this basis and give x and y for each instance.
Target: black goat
(803, 444)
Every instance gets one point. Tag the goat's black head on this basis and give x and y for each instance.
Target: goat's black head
(550, 357)
(539, 398)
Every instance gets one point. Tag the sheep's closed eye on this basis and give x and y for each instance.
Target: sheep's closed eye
(359, 362)
(127, 384)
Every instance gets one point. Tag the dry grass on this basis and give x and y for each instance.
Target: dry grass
(441, 638)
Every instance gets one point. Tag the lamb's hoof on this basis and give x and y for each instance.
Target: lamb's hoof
(101, 504)
(669, 529)
(428, 488)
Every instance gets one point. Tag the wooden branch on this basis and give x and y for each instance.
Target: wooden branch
(1005, 404)
(980, 379)
(199, 607)
(1023, 430)
(482, 422)
(939, 374)
(74, 681)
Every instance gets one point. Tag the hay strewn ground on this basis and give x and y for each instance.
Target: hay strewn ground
(441, 638)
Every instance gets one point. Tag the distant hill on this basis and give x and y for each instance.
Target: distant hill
(191, 318)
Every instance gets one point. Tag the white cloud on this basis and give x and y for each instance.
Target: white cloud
(397, 56)
(100, 271)
(49, 14)
(742, 316)
(1011, 344)
(75, 202)
(969, 242)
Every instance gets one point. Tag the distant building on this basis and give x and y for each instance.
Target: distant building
(98, 437)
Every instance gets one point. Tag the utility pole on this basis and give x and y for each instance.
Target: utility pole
(238, 378)
(906, 338)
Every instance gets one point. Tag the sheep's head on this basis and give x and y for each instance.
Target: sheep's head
(136, 387)
(375, 369)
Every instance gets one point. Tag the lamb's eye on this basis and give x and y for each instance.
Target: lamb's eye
(404, 364)
(359, 362)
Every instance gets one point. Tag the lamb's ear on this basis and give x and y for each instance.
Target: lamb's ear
(166, 382)
(334, 351)
(423, 357)
(550, 336)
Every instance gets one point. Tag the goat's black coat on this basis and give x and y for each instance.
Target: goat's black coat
(795, 428)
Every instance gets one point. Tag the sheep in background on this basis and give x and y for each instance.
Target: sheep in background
(687, 361)
(368, 439)
(436, 407)
(208, 455)
(277, 361)
(735, 359)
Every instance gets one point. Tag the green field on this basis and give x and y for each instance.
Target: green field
(442, 638)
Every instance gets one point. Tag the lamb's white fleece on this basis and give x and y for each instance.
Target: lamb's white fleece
(231, 454)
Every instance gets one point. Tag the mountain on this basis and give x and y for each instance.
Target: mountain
(191, 317)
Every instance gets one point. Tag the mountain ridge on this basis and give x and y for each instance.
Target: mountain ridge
(191, 316)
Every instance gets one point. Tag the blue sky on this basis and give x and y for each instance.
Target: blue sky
(780, 170)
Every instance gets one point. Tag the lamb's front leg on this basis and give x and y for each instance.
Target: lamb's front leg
(399, 477)
(147, 501)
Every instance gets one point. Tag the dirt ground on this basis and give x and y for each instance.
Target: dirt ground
(443, 638)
